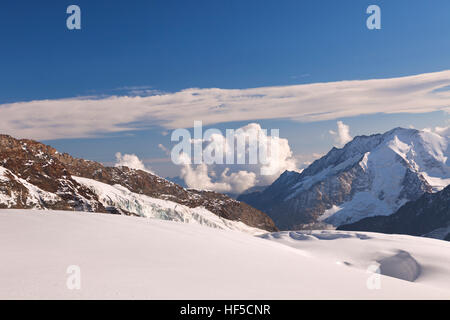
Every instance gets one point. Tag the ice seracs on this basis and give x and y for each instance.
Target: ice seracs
(36, 176)
(120, 197)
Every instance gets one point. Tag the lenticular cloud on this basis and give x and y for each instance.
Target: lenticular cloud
(94, 116)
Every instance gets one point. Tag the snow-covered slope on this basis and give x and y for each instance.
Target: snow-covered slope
(422, 261)
(138, 258)
(371, 175)
(120, 197)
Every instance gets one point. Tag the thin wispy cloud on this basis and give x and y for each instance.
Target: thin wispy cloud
(94, 116)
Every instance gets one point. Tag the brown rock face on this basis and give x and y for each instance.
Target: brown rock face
(27, 162)
(32, 164)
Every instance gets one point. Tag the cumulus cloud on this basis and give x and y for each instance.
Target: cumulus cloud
(94, 116)
(442, 131)
(236, 178)
(342, 135)
(131, 161)
(200, 177)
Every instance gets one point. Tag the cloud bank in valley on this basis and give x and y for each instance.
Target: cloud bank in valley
(95, 116)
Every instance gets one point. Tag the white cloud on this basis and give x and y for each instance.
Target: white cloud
(200, 178)
(237, 178)
(88, 117)
(131, 161)
(342, 136)
(442, 131)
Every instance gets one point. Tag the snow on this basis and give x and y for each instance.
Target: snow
(142, 205)
(123, 257)
(36, 196)
(328, 213)
(437, 182)
(386, 177)
(309, 181)
(385, 165)
(433, 157)
(422, 260)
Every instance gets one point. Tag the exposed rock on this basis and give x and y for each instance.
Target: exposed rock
(34, 175)
(371, 175)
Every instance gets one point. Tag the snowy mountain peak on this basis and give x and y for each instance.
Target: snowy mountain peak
(370, 175)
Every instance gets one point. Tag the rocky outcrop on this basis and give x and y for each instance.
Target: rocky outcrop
(33, 175)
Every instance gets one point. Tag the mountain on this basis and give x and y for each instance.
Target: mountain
(179, 181)
(33, 175)
(249, 190)
(429, 216)
(370, 176)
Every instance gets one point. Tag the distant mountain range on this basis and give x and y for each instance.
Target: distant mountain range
(370, 176)
(392, 183)
(427, 216)
(36, 176)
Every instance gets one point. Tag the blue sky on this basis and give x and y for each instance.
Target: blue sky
(156, 46)
(172, 45)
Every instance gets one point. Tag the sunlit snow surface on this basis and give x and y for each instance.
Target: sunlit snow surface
(140, 258)
(417, 259)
